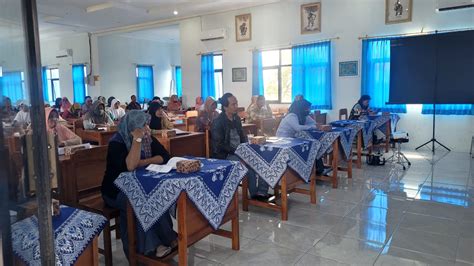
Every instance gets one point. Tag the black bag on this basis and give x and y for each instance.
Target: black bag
(375, 159)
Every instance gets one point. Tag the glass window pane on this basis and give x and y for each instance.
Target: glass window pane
(55, 73)
(48, 73)
(57, 88)
(218, 84)
(270, 84)
(218, 62)
(85, 71)
(271, 58)
(286, 57)
(286, 84)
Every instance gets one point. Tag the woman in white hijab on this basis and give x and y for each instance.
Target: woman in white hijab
(115, 111)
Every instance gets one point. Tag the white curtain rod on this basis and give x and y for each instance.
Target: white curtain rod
(290, 45)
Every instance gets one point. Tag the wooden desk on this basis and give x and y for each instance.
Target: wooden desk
(250, 129)
(90, 256)
(180, 124)
(334, 161)
(288, 184)
(192, 227)
(100, 137)
(193, 144)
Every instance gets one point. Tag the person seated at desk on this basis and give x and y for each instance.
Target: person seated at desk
(109, 101)
(130, 148)
(115, 111)
(75, 111)
(65, 110)
(174, 104)
(259, 110)
(65, 136)
(199, 104)
(298, 119)
(87, 106)
(361, 109)
(133, 105)
(226, 136)
(159, 120)
(207, 115)
(22, 118)
(97, 117)
(8, 114)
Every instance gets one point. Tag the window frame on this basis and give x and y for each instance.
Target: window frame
(221, 70)
(51, 83)
(278, 67)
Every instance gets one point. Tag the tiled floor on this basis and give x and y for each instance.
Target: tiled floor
(383, 216)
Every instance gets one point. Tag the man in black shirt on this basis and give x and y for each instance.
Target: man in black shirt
(133, 105)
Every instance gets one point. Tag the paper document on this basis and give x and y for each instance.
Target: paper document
(165, 168)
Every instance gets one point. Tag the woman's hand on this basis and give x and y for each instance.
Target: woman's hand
(138, 133)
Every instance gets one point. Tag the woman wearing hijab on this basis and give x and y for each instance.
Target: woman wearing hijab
(361, 108)
(8, 114)
(115, 111)
(109, 101)
(174, 104)
(97, 117)
(65, 110)
(130, 148)
(65, 136)
(296, 120)
(22, 118)
(159, 120)
(199, 103)
(207, 115)
(253, 101)
(75, 110)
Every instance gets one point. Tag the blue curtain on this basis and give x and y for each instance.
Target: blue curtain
(311, 73)
(376, 75)
(208, 87)
(46, 96)
(11, 86)
(79, 85)
(179, 88)
(145, 83)
(449, 109)
(257, 73)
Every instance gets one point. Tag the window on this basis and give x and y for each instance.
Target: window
(12, 85)
(178, 80)
(276, 66)
(79, 74)
(54, 89)
(145, 83)
(218, 75)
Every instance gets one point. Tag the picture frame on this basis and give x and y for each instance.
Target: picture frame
(239, 74)
(398, 11)
(310, 18)
(243, 27)
(349, 68)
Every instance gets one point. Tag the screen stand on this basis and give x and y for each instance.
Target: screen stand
(433, 139)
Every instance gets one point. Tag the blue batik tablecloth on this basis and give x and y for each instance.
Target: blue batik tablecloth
(271, 160)
(366, 126)
(73, 231)
(326, 138)
(211, 189)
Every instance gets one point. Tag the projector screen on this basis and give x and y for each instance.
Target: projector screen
(436, 68)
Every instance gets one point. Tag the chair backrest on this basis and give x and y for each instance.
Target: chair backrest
(193, 113)
(268, 126)
(343, 114)
(83, 176)
(191, 123)
(320, 118)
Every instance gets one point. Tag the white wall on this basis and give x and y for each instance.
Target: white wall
(118, 57)
(279, 24)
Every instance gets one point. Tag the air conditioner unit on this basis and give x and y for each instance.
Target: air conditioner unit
(64, 53)
(446, 5)
(216, 34)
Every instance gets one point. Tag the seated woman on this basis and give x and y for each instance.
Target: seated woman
(115, 111)
(97, 117)
(7, 112)
(298, 119)
(174, 104)
(65, 136)
(260, 110)
(207, 115)
(159, 120)
(130, 148)
(65, 110)
(199, 104)
(22, 118)
(361, 108)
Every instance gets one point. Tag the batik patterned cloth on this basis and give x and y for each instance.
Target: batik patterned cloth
(73, 231)
(347, 137)
(271, 160)
(211, 189)
(326, 138)
(366, 126)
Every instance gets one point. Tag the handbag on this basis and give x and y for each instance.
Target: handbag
(375, 159)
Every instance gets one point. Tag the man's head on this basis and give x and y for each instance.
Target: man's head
(88, 100)
(133, 98)
(260, 101)
(229, 103)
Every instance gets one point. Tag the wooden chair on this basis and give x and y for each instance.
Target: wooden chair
(190, 123)
(268, 126)
(320, 118)
(343, 115)
(193, 113)
(80, 187)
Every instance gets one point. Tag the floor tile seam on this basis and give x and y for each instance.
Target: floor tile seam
(433, 233)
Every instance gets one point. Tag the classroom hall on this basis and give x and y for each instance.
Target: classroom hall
(306, 132)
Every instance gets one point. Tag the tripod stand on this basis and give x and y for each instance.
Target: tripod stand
(433, 140)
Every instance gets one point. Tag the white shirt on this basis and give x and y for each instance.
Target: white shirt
(22, 117)
(290, 125)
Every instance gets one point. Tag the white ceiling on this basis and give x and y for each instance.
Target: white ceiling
(60, 17)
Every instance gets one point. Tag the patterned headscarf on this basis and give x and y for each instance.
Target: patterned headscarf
(95, 115)
(133, 120)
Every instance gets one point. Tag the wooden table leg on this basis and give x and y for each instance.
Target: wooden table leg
(245, 196)
(284, 199)
(349, 167)
(388, 130)
(132, 252)
(335, 155)
(359, 149)
(182, 231)
(312, 187)
(235, 224)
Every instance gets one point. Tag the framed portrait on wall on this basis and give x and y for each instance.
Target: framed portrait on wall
(243, 27)
(398, 11)
(310, 18)
(239, 74)
(348, 68)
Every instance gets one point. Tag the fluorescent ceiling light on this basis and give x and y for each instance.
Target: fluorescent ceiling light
(95, 8)
(175, 12)
(51, 18)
